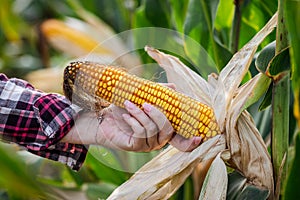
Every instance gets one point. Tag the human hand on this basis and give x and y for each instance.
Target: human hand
(133, 129)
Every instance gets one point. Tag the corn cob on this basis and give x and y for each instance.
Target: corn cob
(91, 82)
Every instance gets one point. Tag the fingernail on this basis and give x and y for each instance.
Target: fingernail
(197, 140)
(125, 115)
(147, 107)
(129, 104)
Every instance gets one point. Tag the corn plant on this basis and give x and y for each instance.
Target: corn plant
(249, 76)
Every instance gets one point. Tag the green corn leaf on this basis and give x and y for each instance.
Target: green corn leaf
(280, 63)
(238, 188)
(265, 56)
(14, 177)
(179, 10)
(98, 190)
(199, 25)
(267, 99)
(292, 8)
(105, 165)
(293, 181)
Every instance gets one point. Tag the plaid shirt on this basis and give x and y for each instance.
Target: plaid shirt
(38, 121)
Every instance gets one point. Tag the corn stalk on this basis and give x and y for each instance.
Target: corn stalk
(160, 177)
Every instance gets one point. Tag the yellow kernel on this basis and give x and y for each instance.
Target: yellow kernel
(213, 126)
(206, 130)
(158, 102)
(200, 124)
(214, 133)
(150, 98)
(205, 120)
(140, 101)
(201, 129)
(208, 134)
(173, 101)
(196, 125)
(146, 89)
(172, 110)
(174, 119)
(201, 117)
(154, 99)
(151, 90)
(179, 114)
(133, 98)
(158, 93)
(193, 120)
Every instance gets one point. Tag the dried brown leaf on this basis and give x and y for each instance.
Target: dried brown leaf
(186, 80)
(215, 184)
(160, 177)
(233, 73)
(248, 151)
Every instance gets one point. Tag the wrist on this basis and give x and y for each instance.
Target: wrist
(86, 130)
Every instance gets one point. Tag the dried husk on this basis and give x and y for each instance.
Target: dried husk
(163, 175)
(215, 186)
(247, 149)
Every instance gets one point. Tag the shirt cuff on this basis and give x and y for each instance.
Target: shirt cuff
(56, 116)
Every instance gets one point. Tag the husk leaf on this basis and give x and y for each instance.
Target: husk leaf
(160, 177)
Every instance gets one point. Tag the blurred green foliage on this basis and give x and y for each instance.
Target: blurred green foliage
(219, 26)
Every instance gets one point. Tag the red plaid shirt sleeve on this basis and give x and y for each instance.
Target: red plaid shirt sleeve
(38, 121)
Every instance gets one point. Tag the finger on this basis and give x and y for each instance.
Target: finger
(149, 126)
(116, 138)
(165, 128)
(138, 130)
(184, 144)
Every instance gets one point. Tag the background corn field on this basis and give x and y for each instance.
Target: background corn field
(34, 35)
